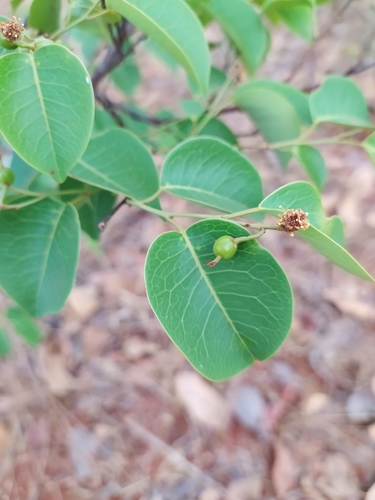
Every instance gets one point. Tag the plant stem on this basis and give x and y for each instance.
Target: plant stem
(17, 206)
(241, 239)
(85, 17)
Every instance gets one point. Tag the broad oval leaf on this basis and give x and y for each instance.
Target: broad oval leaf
(45, 15)
(210, 172)
(47, 108)
(224, 318)
(39, 254)
(298, 17)
(369, 146)
(340, 101)
(296, 195)
(244, 27)
(119, 162)
(174, 26)
(313, 163)
(272, 113)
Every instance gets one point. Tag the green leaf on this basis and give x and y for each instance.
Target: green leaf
(216, 128)
(126, 76)
(102, 120)
(244, 27)
(93, 209)
(369, 146)
(119, 162)
(298, 18)
(322, 232)
(45, 15)
(296, 195)
(15, 4)
(210, 172)
(334, 228)
(272, 113)
(340, 101)
(39, 254)
(5, 343)
(334, 252)
(224, 318)
(28, 178)
(192, 109)
(296, 98)
(24, 325)
(47, 108)
(174, 26)
(313, 163)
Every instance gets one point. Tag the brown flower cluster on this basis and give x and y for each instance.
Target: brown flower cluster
(11, 30)
(293, 220)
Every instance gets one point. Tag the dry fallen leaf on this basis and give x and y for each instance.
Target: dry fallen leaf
(84, 301)
(204, 404)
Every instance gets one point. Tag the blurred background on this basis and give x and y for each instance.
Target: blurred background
(107, 408)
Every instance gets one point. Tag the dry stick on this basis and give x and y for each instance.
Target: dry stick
(171, 454)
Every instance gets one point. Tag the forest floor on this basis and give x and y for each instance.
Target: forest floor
(107, 408)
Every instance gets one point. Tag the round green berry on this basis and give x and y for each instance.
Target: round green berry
(225, 247)
(6, 176)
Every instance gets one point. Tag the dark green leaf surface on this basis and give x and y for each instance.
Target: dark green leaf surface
(210, 172)
(298, 18)
(117, 161)
(340, 101)
(39, 254)
(313, 163)
(126, 76)
(24, 325)
(45, 15)
(47, 108)
(174, 26)
(224, 318)
(244, 27)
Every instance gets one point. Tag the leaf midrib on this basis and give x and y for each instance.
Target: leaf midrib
(47, 254)
(44, 113)
(214, 294)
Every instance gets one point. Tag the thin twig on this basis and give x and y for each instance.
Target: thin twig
(103, 223)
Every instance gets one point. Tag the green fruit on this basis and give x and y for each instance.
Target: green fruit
(225, 247)
(6, 176)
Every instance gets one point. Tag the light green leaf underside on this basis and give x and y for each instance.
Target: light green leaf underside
(334, 252)
(369, 146)
(313, 163)
(47, 108)
(24, 325)
(340, 101)
(116, 160)
(5, 343)
(224, 318)
(325, 235)
(244, 27)
(217, 128)
(39, 254)
(210, 172)
(174, 26)
(272, 113)
(45, 15)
